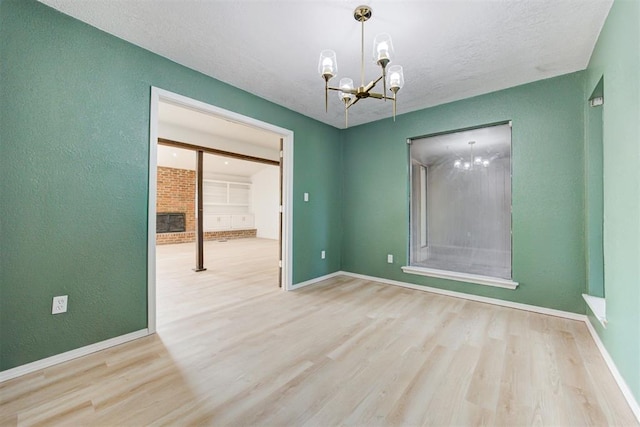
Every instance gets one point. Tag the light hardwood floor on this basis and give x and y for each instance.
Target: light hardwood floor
(232, 349)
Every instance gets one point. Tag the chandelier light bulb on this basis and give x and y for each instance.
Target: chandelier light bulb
(328, 65)
(462, 164)
(346, 84)
(382, 49)
(395, 78)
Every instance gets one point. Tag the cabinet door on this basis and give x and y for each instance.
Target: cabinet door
(216, 222)
(242, 221)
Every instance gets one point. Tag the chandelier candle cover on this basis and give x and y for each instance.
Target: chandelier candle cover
(382, 54)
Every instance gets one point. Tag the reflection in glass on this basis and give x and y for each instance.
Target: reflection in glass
(461, 202)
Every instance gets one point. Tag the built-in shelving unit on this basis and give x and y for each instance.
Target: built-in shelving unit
(226, 193)
(226, 205)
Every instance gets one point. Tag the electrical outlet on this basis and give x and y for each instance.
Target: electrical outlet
(390, 259)
(59, 304)
(306, 197)
(323, 255)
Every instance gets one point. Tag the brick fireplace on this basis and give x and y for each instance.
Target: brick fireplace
(176, 196)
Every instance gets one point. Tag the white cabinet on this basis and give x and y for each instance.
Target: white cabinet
(242, 222)
(214, 222)
(218, 222)
(226, 205)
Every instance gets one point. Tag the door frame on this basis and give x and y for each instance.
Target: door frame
(157, 95)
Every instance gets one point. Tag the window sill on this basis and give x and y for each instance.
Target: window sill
(461, 277)
(598, 306)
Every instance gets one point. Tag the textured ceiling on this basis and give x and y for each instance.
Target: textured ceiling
(450, 50)
(209, 124)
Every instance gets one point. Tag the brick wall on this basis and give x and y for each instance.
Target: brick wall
(177, 193)
(190, 236)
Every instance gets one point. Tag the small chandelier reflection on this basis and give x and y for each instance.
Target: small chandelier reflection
(474, 161)
(392, 77)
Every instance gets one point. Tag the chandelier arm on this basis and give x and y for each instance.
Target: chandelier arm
(352, 102)
(346, 114)
(379, 96)
(384, 83)
(394, 107)
(352, 91)
(372, 84)
(326, 96)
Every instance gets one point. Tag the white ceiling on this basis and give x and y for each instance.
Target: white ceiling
(203, 122)
(213, 166)
(450, 50)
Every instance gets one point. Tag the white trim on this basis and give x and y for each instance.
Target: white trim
(158, 94)
(151, 210)
(461, 277)
(624, 388)
(70, 355)
(494, 301)
(318, 279)
(598, 307)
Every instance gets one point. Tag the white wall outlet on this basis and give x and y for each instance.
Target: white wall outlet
(390, 258)
(59, 304)
(323, 255)
(306, 197)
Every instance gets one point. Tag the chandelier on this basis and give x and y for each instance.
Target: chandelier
(478, 161)
(382, 53)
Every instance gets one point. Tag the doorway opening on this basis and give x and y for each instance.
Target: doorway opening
(229, 207)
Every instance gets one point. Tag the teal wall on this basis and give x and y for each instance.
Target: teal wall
(548, 190)
(617, 58)
(74, 126)
(74, 118)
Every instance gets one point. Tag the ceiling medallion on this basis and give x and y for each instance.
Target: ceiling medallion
(392, 78)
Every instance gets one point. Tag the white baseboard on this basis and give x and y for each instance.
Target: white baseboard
(318, 279)
(494, 301)
(624, 388)
(70, 355)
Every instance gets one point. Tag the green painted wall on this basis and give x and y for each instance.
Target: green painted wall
(74, 118)
(617, 58)
(548, 190)
(74, 105)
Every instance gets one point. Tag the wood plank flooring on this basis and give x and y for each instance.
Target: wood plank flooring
(232, 349)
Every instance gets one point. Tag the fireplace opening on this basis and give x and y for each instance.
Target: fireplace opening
(171, 222)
